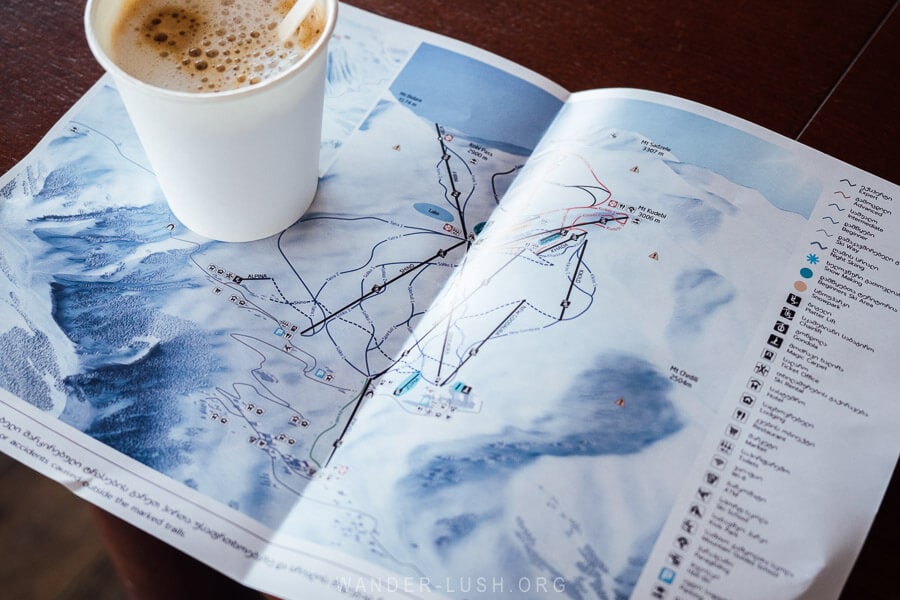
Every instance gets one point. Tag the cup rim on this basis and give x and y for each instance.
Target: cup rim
(331, 15)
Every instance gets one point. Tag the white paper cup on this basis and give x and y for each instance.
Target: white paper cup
(236, 165)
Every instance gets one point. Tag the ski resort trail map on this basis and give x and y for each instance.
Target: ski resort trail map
(594, 287)
(416, 375)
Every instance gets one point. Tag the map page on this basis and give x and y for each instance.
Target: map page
(642, 323)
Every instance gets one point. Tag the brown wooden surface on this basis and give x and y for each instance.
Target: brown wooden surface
(48, 542)
(825, 72)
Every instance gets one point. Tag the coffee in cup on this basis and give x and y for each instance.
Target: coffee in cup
(209, 45)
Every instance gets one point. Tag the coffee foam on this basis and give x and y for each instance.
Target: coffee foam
(209, 45)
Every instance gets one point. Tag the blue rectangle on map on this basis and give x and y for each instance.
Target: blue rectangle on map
(470, 96)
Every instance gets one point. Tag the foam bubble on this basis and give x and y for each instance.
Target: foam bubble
(209, 45)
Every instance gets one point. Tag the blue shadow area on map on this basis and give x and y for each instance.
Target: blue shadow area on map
(589, 421)
(469, 95)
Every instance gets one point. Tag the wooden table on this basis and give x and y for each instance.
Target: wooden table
(822, 71)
